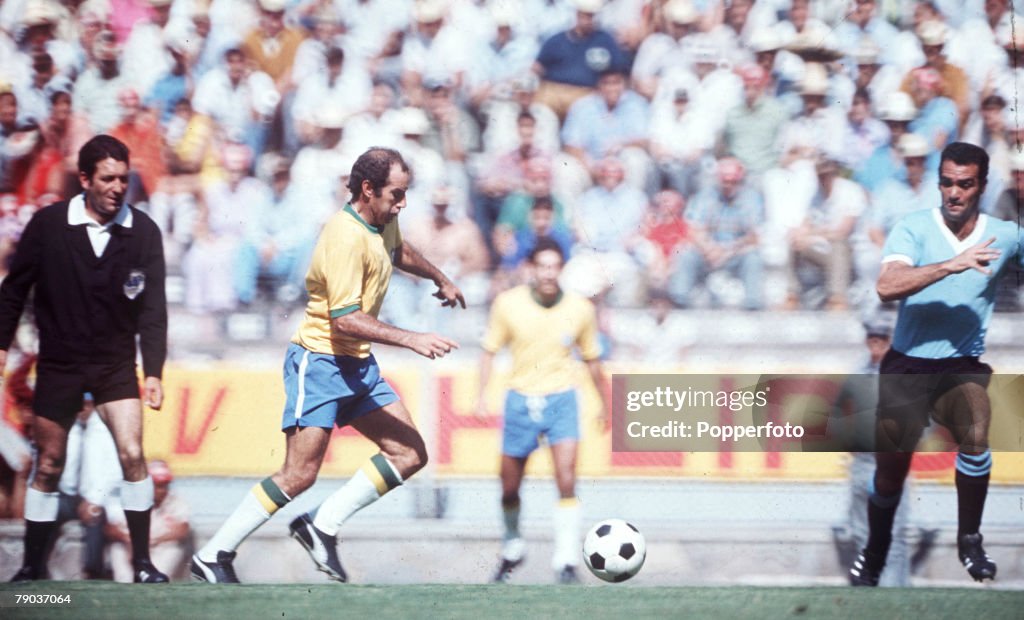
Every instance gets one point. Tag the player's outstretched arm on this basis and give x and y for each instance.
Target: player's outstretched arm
(411, 261)
(899, 280)
(362, 326)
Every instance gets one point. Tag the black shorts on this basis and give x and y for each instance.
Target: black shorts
(60, 387)
(909, 386)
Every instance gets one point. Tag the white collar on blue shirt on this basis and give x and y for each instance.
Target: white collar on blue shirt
(972, 239)
(77, 215)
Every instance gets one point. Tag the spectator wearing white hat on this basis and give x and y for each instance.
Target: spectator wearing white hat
(896, 111)
(879, 79)
(954, 83)
(40, 26)
(433, 51)
(663, 52)
(897, 197)
(319, 164)
(272, 45)
(731, 25)
(818, 124)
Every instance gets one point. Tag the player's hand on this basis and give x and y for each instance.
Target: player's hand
(449, 294)
(432, 345)
(153, 393)
(976, 257)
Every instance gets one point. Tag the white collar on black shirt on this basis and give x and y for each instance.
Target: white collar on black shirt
(99, 234)
(77, 215)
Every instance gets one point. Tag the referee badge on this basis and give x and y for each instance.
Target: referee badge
(135, 284)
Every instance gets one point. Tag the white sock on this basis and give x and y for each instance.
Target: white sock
(256, 508)
(137, 496)
(41, 506)
(510, 517)
(567, 534)
(369, 484)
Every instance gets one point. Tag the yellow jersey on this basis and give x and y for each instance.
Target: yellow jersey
(541, 339)
(350, 270)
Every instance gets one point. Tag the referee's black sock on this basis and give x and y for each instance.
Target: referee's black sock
(37, 543)
(972, 475)
(138, 529)
(881, 513)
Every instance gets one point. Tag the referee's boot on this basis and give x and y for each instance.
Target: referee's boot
(145, 572)
(222, 570)
(866, 569)
(29, 573)
(321, 547)
(973, 557)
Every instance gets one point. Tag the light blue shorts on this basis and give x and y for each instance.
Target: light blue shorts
(331, 390)
(528, 418)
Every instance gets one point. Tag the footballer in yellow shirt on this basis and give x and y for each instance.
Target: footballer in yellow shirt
(541, 325)
(331, 379)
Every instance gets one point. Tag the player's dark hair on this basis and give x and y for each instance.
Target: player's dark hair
(545, 244)
(99, 148)
(964, 154)
(525, 115)
(374, 166)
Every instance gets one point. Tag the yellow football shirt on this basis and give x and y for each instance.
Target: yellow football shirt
(350, 270)
(541, 339)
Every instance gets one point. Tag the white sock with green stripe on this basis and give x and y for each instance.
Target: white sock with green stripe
(567, 533)
(373, 480)
(258, 505)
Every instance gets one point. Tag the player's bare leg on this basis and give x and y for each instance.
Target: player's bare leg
(513, 548)
(124, 419)
(402, 454)
(304, 452)
(567, 513)
(41, 498)
(966, 411)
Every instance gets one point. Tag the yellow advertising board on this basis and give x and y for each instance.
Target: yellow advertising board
(225, 421)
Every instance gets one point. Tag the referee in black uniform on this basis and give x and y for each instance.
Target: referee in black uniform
(97, 268)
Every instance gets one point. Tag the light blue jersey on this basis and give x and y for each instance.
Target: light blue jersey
(948, 318)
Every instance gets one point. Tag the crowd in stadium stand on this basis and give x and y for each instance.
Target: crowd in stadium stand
(679, 150)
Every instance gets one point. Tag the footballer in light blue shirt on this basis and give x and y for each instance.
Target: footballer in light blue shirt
(942, 265)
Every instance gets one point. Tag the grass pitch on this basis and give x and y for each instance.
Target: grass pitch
(478, 602)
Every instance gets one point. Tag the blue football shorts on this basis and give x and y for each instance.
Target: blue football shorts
(331, 390)
(555, 417)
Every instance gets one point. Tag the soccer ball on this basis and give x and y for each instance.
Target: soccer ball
(614, 550)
